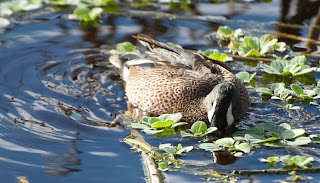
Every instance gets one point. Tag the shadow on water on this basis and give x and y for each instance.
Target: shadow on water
(58, 95)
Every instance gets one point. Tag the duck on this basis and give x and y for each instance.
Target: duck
(162, 78)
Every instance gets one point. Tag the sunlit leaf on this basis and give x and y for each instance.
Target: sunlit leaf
(211, 130)
(297, 89)
(300, 60)
(272, 127)
(174, 117)
(244, 147)
(287, 134)
(185, 134)
(224, 31)
(95, 12)
(162, 166)
(209, 147)
(199, 127)
(280, 46)
(254, 138)
(178, 124)
(244, 76)
(125, 47)
(152, 132)
(162, 124)
(226, 142)
(140, 126)
(185, 150)
(299, 141)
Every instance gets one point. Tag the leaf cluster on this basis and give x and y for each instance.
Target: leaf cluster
(289, 162)
(245, 77)
(198, 129)
(296, 67)
(162, 126)
(280, 92)
(175, 151)
(270, 134)
(249, 46)
(227, 144)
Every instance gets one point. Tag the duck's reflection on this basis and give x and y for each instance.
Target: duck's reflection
(67, 160)
(223, 158)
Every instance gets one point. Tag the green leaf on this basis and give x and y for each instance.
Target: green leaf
(272, 127)
(304, 70)
(184, 150)
(174, 125)
(125, 47)
(95, 12)
(153, 120)
(167, 132)
(238, 33)
(174, 117)
(254, 138)
(307, 78)
(162, 166)
(220, 56)
(199, 127)
(265, 43)
(305, 161)
(298, 132)
(252, 53)
(152, 132)
(139, 126)
(251, 42)
(170, 150)
(224, 31)
(244, 76)
(269, 69)
(286, 126)
(162, 124)
(280, 46)
(264, 91)
(185, 134)
(300, 60)
(211, 130)
(299, 141)
(81, 13)
(244, 147)
(258, 130)
(279, 65)
(209, 147)
(225, 142)
(287, 134)
(297, 89)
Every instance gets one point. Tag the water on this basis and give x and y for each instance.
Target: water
(58, 96)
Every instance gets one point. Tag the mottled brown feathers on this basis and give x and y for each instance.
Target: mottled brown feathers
(169, 88)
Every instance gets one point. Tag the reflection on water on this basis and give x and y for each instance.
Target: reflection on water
(59, 95)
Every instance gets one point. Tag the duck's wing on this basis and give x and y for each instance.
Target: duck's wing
(177, 55)
(174, 54)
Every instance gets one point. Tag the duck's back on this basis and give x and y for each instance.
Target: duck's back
(168, 89)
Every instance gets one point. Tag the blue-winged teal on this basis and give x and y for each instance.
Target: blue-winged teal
(162, 78)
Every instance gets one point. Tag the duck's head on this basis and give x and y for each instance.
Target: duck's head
(223, 106)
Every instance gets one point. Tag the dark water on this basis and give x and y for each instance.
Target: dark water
(56, 100)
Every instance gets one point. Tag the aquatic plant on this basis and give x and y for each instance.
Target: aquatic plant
(289, 162)
(162, 126)
(249, 46)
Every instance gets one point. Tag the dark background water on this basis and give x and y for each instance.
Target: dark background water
(56, 100)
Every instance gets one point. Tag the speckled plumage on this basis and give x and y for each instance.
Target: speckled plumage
(176, 80)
